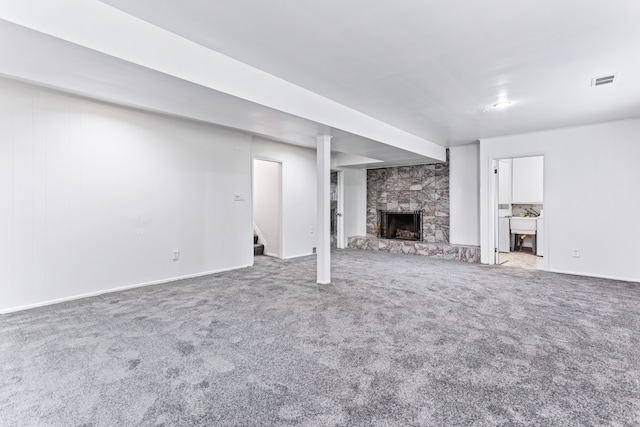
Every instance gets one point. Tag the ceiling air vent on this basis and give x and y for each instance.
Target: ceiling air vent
(604, 80)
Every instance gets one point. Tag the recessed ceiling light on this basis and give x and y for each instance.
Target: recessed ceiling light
(502, 104)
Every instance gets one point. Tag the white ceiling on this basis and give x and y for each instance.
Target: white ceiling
(432, 69)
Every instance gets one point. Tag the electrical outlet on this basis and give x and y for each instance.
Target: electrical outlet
(312, 229)
(313, 250)
(176, 255)
(575, 253)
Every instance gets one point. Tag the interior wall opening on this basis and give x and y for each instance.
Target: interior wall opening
(338, 240)
(519, 237)
(267, 207)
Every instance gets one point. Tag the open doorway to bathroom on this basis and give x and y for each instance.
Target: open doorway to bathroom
(267, 207)
(520, 212)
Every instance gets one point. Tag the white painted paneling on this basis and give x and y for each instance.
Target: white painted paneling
(298, 194)
(589, 202)
(355, 202)
(6, 193)
(21, 261)
(463, 193)
(96, 197)
(266, 204)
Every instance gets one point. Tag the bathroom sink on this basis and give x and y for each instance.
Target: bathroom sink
(523, 225)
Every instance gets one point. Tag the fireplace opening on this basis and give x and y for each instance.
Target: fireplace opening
(400, 225)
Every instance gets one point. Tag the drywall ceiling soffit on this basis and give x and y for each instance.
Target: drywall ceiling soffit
(157, 50)
(91, 74)
(434, 69)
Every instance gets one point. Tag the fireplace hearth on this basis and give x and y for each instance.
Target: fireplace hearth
(400, 225)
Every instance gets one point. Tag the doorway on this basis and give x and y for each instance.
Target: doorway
(337, 203)
(519, 218)
(267, 205)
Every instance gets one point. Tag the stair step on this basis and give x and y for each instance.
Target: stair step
(255, 239)
(258, 249)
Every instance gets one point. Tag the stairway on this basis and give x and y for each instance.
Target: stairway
(258, 248)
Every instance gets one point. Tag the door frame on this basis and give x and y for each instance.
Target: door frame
(495, 166)
(340, 240)
(493, 201)
(280, 203)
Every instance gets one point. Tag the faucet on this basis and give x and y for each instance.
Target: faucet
(532, 211)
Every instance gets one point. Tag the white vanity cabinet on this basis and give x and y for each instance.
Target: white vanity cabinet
(527, 173)
(540, 237)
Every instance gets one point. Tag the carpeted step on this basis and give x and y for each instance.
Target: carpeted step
(258, 249)
(255, 239)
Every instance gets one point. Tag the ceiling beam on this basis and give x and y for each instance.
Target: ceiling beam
(102, 28)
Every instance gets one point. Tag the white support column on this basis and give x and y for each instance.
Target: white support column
(324, 209)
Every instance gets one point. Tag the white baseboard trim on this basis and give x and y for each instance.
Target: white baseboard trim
(118, 289)
(271, 254)
(298, 256)
(599, 276)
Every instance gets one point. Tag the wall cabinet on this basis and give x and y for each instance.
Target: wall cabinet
(504, 181)
(527, 181)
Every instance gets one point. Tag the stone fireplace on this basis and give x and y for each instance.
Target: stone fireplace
(408, 212)
(408, 189)
(400, 225)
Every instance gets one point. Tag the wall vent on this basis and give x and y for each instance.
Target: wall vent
(604, 80)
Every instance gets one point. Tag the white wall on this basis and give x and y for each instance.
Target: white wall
(95, 197)
(299, 189)
(355, 203)
(590, 200)
(266, 204)
(463, 195)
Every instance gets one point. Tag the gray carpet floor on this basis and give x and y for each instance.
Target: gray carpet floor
(394, 341)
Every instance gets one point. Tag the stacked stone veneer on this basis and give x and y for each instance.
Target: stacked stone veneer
(410, 188)
(433, 250)
(406, 189)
